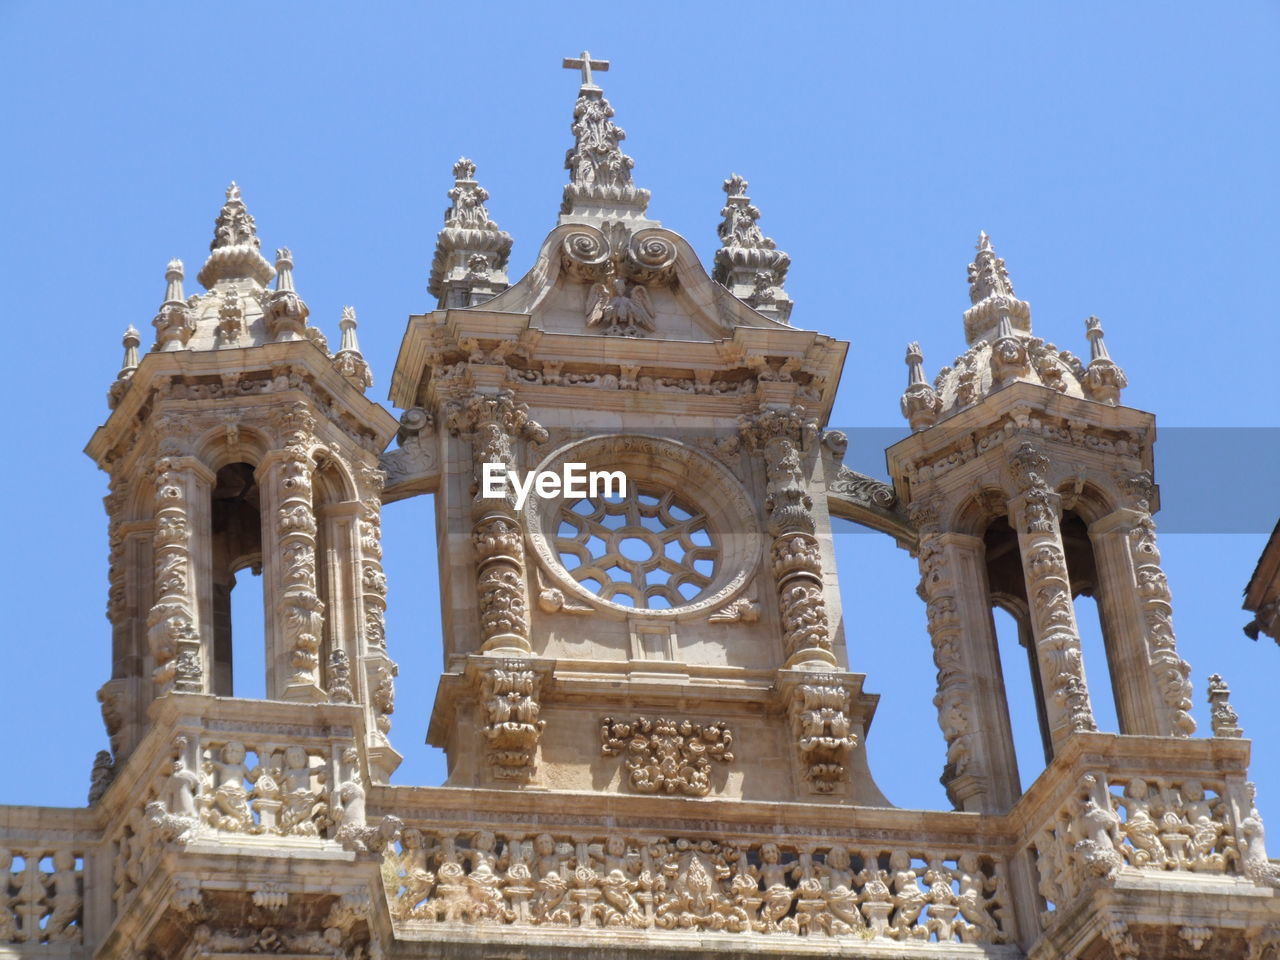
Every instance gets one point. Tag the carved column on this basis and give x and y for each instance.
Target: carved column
(1035, 512)
(295, 613)
(779, 437)
(981, 772)
(380, 670)
(491, 422)
(173, 624)
(1153, 694)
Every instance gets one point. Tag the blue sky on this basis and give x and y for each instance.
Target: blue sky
(1120, 155)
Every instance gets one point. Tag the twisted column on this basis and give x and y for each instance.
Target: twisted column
(1035, 512)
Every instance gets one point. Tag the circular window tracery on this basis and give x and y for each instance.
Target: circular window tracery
(648, 550)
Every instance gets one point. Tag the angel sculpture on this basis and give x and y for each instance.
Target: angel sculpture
(621, 306)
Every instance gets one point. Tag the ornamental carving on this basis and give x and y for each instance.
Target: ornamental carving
(619, 882)
(41, 905)
(820, 722)
(509, 697)
(667, 756)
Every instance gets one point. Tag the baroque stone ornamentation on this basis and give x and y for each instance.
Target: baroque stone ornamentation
(667, 756)
(1053, 615)
(616, 881)
(1223, 717)
(470, 264)
(512, 728)
(174, 638)
(749, 263)
(820, 720)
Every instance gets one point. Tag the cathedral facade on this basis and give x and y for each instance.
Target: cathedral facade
(656, 745)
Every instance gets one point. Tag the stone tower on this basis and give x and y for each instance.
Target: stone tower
(654, 725)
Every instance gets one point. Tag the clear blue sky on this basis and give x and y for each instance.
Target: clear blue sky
(1122, 156)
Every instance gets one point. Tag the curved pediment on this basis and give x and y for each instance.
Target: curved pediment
(611, 280)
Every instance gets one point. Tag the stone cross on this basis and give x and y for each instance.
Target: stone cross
(586, 65)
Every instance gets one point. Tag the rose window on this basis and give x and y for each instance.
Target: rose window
(648, 549)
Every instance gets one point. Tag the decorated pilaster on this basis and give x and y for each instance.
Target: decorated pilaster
(289, 568)
(783, 438)
(492, 422)
(470, 264)
(1153, 692)
(981, 770)
(1035, 513)
(749, 263)
(174, 627)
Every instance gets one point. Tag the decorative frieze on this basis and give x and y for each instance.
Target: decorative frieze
(693, 885)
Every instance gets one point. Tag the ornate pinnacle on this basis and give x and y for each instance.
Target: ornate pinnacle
(471, 254)
(349, 360)
(600, 184)
(234, 251)
(285, 312)
(920, 404)
(992, 296)
(174, 323)
(1223, 717)
(748, 262)
(1103, 380)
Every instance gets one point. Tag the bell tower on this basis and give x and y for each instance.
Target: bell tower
(240, 442)
(673, 627)
(1030, 485)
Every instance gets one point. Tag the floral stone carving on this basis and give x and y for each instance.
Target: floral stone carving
(667, 756)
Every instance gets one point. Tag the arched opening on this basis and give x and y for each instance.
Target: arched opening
(236, 526)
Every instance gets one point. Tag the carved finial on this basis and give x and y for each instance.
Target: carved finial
(235, 248)
(1223, 718)
(471, 254)
(1103, 380)
(600, 184)
(173, 282)
(920, 404)
(987, 274)
(284, 268)
(285, 312)
(993, 299)
(131, 341)
(174, 323)
(349, 360)
(748, 262)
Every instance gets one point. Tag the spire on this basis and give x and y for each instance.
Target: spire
(748, 262)
(174, 323)
(920, 404)
(234, 251)
(349, 360)
(471, 255)
(1103, 379)
(285, 312)
(600, 185)
(991, 292)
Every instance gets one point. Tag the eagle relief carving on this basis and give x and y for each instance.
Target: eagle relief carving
(620, 307)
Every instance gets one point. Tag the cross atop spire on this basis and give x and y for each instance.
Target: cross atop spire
(586, 65)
